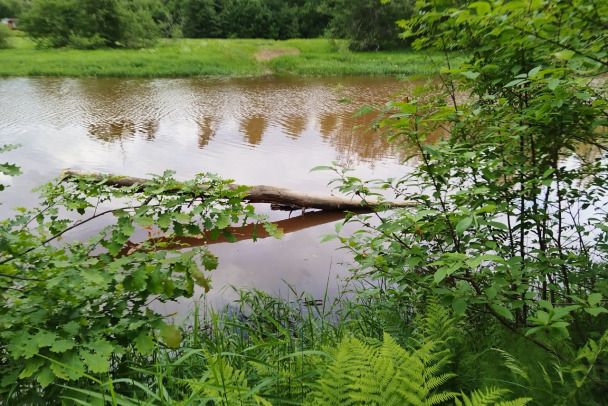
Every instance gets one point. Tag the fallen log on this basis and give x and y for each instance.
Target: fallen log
(280, 198)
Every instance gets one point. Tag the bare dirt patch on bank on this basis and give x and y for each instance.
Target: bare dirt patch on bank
(268, 54)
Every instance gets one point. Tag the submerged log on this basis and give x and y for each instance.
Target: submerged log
(280, 198)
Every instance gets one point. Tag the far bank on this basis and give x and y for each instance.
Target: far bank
(213, 57)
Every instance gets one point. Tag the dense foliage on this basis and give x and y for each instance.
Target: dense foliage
(10, 8)
(5, 34)
(510, 228)
(75, 309)
(369, 24)
(497, 276)
(89, 23)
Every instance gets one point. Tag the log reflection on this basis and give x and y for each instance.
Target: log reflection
(290, 225)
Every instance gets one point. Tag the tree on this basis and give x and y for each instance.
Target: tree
(510, 228)
(89, 24)
(200, 19)
(370, 25)
(10, 8)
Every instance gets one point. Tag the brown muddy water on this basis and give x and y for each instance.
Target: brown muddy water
(254, 130)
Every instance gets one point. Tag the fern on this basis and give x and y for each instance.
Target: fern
(435, 323)
(491, 397)
(515, 366)
(379, 374)
(225, 385)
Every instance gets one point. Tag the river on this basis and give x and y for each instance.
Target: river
(269, 130)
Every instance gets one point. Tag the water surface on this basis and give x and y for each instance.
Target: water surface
(253, 130)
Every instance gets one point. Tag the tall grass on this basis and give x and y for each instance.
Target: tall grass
(260, 344)
(208, 57)
(264, 350)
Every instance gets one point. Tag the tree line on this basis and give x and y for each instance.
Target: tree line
(368, 24)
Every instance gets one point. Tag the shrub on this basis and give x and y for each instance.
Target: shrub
(5, 34)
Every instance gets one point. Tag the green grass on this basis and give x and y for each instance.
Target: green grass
(209, 57)
(331, 57)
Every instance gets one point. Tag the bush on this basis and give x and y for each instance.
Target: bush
(86, 24)
(369, 24)
(5, 34)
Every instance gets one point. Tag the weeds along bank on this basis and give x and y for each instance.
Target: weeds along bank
(211, 57)
(491, 291)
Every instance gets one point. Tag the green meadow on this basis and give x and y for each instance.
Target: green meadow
(212, 57)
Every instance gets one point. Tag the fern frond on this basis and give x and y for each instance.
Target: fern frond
(516, 402)
(513, 365)
(225, 385)
(433, 382)
(441, 397)
(365, 374)
(436, 324)
(491, 397)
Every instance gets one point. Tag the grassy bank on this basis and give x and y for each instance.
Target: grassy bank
(198, 57)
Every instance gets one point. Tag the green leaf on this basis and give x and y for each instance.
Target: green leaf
(595, 311)
(31, 366)
(155, 282)
(491, 292)
(440, 274)
(170, 335)
(144, 343)
(96, 363)
(9, 169)
(594, 298)
(228, 235)
(564, 54)
(471, 75)
(273, 230)
(199, 277)
(9, 379)
(328, 237)
(102, 346)
(534, 71)
(222, 221)
(515, 82)
(488, 208)
(70, 367)
(460, 306)
(209, 261)
(463, 225)
(127, 228)
(482, 7)
(545, 304)
(164, 221)
(322, 168)
(9, 147)
(60, 346)
(45, 377)
(144, 221)
(503, 311)
(553, 83)
(136, 281)
(181, 217)
(533, 330)
(338, 226)
(71, 328)
(45, 338)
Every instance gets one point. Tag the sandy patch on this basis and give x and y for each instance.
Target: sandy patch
(268, 54)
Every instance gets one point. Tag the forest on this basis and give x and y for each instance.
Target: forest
(489, 288)
(86, 24)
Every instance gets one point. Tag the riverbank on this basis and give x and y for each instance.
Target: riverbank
(212, 57)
